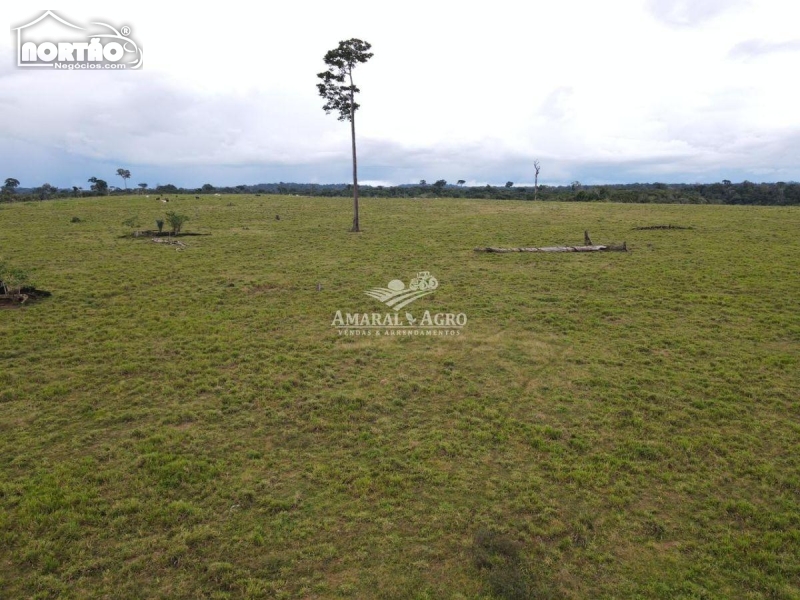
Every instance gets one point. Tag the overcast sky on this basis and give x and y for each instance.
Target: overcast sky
(599, 92)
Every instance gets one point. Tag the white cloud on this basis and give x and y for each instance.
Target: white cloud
(757, 48)
(692, 12)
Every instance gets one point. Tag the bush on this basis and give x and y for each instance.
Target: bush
(499, 558)
(75, 220)
(176, 221)
(160, 224)
(11, 279)
(132, 222)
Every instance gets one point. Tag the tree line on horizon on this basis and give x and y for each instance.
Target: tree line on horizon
(725, 192)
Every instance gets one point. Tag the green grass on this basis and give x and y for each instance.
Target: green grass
(609, 425)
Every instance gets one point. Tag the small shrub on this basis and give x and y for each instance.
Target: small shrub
(132, 222)
(160, 224)
(176, 221)
(75, 220)
(490, 547)
(498, 557)
(11, 279)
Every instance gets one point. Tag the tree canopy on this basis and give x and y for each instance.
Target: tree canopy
(337, 87)
(125, 174)
(98, 185)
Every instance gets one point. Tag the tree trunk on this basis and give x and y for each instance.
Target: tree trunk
(355, 228)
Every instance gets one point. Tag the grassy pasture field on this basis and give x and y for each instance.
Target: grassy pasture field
(188, 424)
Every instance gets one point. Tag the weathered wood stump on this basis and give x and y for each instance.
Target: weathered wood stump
(587, 247)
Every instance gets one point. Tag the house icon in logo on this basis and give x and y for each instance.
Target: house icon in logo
(36, 21)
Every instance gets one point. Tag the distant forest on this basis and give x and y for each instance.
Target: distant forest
(725, 192)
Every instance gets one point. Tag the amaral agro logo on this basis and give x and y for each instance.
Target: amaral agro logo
(396, 295)
(49, 41)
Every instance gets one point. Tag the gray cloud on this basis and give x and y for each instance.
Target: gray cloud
(139, 118)
(762, 157)
(64, 127)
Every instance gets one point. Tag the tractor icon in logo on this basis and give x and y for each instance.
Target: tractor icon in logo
(424, 281)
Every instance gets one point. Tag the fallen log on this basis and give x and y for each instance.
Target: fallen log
(12, 298)
(587, 247)
(652, 227)
(599, 248)
(172, 242)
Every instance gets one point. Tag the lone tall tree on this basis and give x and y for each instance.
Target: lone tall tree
(339, 91)
(536, 168)
(125, 174)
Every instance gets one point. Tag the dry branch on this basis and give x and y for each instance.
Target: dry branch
(172, 242)
(20, 297)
